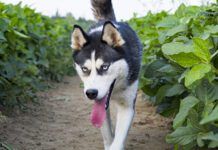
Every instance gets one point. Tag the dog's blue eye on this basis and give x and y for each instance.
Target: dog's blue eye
(105, 67)
(85, 70)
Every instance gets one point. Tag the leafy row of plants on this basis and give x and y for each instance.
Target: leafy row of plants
(33, 48)
(180, 71)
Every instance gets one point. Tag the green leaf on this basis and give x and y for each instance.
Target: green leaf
(208, 108)
(161, 93)
(176, 48)
(44, 62)
(211, 117)
(151, 69)
(168, 90)
(190, 146)
(180, 10)
(213, 139)
(206, 91)
(180, 53)
(201, 137)
(177, 29)
(182, 39)
(21, 35)
(176, 89)
(197, 72)
(201, 49)
(182, 136)
(185, 105)
(168, 109)
(213, 29)
(213, 144)
(10, 70)
(168, 22)
(185, 59)
(4, 23)
(6, 146)
(2, 36)
(147, 89)
(169, 69)
(32, 69)
(193, 119)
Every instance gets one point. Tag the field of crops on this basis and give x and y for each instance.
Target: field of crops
(33, 49)
(179, 72)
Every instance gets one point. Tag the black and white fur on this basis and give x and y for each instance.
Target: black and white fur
(109, 51)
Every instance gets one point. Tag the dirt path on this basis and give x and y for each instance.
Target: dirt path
(61, 122)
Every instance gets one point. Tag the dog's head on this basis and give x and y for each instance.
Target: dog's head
(99, 59)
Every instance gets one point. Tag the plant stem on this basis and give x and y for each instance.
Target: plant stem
(214, 54)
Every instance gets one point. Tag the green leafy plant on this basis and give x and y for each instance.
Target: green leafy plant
(180, 71)
(33, 48)
(5, 146)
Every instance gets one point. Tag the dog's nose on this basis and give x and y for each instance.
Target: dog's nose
(92, 93)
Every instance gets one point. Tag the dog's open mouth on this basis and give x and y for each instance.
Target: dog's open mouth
(98, 113)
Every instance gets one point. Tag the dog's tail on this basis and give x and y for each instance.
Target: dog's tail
(103, 10)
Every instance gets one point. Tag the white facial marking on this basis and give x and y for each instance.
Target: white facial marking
(97, 29)
(99, 62)
(88, 64)
(79, 70)
(100, 28)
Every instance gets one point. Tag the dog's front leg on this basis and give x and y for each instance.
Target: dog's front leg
(124, 119)
(125, 114)
(106, 131)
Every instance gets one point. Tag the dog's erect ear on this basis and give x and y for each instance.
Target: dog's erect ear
(111, 35)
(79, 38)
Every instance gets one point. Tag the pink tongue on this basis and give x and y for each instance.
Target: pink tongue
(98, 113)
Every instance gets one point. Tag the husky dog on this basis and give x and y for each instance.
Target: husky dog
(107, 59)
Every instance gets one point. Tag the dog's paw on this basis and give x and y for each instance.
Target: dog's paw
(116, 147)
(106, 147)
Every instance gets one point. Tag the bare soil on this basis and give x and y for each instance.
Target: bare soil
(61, 122)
